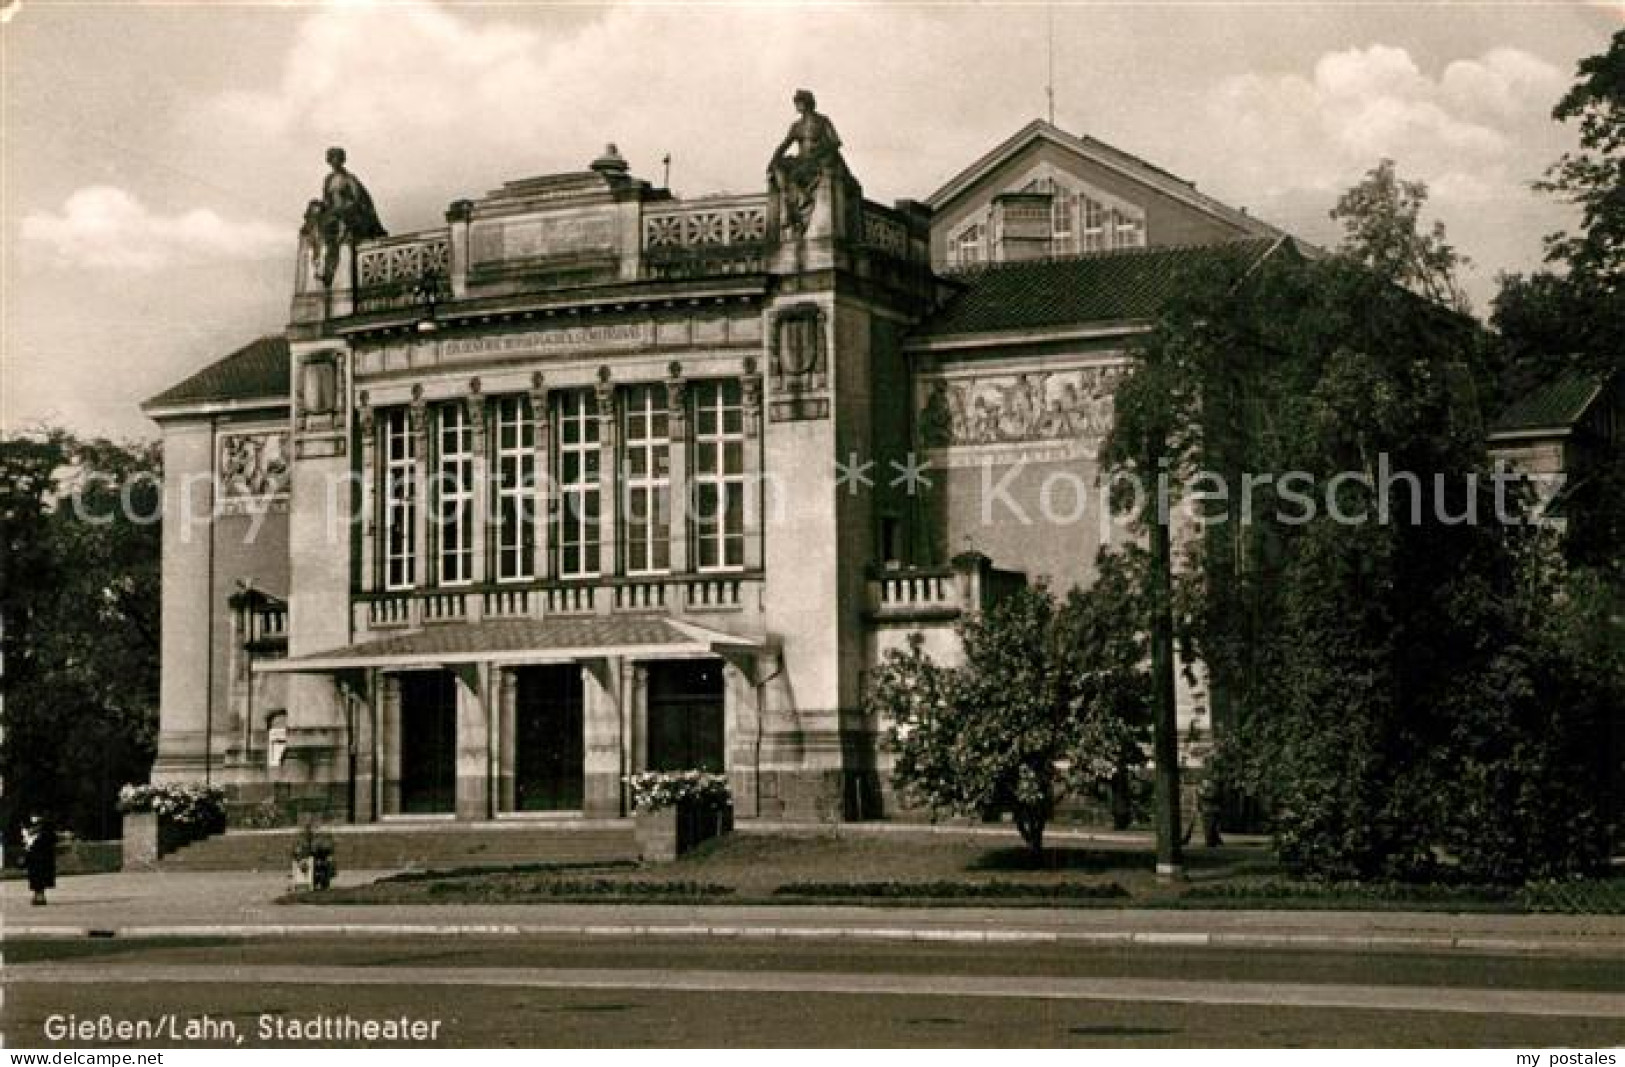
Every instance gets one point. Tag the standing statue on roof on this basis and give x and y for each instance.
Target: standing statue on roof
(343, 216)
(794, 178)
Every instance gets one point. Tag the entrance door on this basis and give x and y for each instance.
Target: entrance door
(685, 716)
(549, 744)
(428, 742)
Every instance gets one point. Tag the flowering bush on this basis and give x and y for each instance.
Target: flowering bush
(188, 804)
(655, 790)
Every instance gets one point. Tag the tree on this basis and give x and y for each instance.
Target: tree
(1375, 647)
(1381, 219)
(1591, 177)
(1050, 700)
(79, 598)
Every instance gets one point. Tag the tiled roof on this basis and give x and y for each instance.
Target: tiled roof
(462, 642)
(1122, 286)
(1558, 404)
(258, 370)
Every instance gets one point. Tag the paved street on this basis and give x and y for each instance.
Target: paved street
(214, 950)
(537, 991)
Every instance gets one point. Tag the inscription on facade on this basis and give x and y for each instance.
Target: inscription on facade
(493, 241)
(560, 339)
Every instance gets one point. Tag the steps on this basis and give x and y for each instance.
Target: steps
(423, 846)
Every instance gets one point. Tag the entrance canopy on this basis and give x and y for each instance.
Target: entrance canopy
(521, 641)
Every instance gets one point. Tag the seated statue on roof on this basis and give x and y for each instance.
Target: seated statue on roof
(793, 180)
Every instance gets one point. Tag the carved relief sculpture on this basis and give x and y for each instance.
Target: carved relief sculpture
(1018, 408)
(800, 370)
(253, 467)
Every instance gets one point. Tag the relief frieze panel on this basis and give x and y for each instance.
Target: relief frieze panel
(1048, 414)
(252, 470)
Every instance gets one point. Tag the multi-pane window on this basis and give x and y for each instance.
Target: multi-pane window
(1061, 221)
(454, 493)
(580, 484)
(513, 493)
(968, 245)
(1130, 232)
(1094, 225)
(719, 476)
(648, 480)
(399, 501)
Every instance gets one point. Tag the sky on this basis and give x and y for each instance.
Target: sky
(156, 158)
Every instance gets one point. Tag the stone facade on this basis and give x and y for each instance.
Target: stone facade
(585, 402)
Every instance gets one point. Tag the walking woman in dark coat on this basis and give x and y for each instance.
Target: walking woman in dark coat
(39, 856)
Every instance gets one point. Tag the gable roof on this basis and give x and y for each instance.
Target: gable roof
(1104, 155)
(1557, 405)
(1130, 285)
(256, 371)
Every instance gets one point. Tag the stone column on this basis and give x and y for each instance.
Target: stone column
(603, 689)
(473, 742)
(677, 467)
(388, 745)
(542, 500)
(369, 505)
(609, 562)
(419, 415)
(480, 511)
(750, 388)
(507, 687)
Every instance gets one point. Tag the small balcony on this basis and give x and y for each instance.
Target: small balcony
(938, 593)
(688, 594)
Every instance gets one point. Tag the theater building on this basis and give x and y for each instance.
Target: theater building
(593, 479)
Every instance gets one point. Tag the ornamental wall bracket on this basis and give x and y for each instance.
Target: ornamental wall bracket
(474, 403)
(417, 412)
(676, 393)
(750, 387)
(605, 390)
(538, 406)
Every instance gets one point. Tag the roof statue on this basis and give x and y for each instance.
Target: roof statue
(793, 179)
(343, 216)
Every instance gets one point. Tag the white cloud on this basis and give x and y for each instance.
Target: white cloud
(434, 103)
(102, 227)
(1476, 133)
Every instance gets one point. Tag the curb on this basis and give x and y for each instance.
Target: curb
(1590, 946)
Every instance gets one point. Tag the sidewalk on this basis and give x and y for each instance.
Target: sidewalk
(239, 904)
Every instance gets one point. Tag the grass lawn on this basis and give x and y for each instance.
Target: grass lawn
(940, 869)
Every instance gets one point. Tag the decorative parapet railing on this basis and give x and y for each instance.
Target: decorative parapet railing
(705, 237)
(884, 231)
(398, 272)
(674, 594)
(939, 593)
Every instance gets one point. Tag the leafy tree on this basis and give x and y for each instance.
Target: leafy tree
(1381, 219)
(1590, 177)
(1050, 700)
(1387, 694)
(79, 597)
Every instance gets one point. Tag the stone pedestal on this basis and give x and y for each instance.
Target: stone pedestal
(668, 833)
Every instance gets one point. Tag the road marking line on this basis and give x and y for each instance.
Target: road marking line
(1127, 990)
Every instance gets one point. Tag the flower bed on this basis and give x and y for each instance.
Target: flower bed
(677, 810)
(158, 819)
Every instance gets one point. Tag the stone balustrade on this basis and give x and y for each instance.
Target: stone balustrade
(663, 594)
